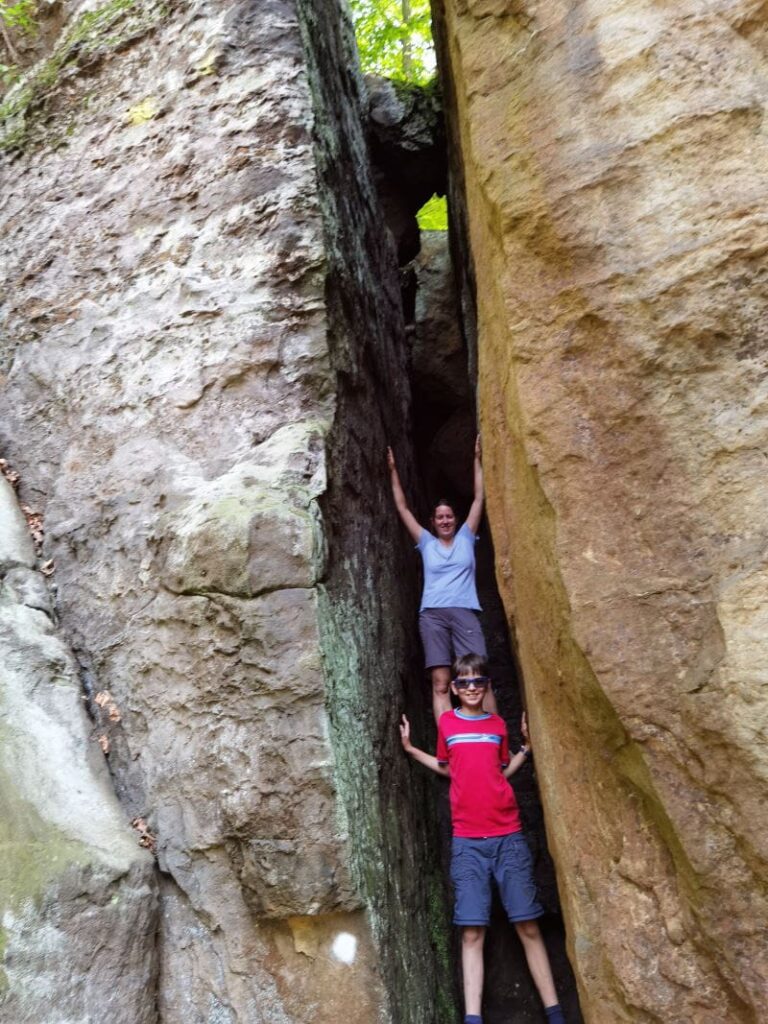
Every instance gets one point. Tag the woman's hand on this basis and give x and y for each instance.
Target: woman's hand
(405, 734)
(478, 449)
(524, 729)
(391, 460)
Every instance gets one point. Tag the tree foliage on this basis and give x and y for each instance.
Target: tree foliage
(394, 38)
(17, 17)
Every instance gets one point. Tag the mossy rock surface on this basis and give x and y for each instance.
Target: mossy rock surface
(33, 111)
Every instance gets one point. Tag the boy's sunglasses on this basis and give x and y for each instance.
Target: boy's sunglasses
(463, 682)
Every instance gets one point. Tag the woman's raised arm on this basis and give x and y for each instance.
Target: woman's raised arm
(408, 518)
(476, 509)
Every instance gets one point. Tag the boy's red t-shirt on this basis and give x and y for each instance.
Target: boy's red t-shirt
(476, 748)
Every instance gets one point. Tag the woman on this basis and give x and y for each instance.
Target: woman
(448, 620)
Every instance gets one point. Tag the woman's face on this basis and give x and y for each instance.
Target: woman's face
(444, 522)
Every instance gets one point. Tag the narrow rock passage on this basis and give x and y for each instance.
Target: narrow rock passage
(407, 146)
(444, 427)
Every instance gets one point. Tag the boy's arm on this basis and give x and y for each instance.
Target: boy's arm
(522, 755)
(515, 762)
(409, 520)
(420, 755)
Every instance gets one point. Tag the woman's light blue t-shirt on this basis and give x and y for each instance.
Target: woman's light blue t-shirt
(449, 572)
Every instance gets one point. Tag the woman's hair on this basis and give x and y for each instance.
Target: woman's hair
(443, 501)
(470, 663)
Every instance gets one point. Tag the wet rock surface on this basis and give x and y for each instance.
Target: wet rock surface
(613, 207)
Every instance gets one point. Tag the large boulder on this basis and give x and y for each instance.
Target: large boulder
(78, 900)
(613, 163)
(202, 346)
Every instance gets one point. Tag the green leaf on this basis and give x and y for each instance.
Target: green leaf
(21, 15)
(433, 216)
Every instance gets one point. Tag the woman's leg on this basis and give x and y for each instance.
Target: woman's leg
(472, 939)
(538, 961)
(489, 701)
(441, 690)
(436, 639)
(467, 638)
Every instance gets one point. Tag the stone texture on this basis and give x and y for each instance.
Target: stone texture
(197, 342)
(75, 887)
(368, 598)
(438, 352)
(16, 547)
(445, 424)
(611, 156)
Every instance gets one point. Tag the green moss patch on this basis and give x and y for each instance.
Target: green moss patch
(85, 42)
(34, 852)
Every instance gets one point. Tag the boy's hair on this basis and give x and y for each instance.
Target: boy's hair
(470, 663)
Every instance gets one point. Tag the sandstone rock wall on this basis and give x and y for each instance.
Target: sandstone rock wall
(612, 158)
(187, 391)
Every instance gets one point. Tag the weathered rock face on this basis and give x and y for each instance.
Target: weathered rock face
(406, 143)
(611, 160)
(193, 331)
(77, 893)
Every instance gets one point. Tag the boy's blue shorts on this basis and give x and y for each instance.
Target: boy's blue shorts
(507, 859)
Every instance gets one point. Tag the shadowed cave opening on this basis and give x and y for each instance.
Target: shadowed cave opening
(408, 149)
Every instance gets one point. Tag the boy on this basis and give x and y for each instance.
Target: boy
(473, 752)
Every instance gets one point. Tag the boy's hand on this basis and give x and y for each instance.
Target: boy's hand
(405, 734)
(524, 728)
(478, 448)
(390, 459)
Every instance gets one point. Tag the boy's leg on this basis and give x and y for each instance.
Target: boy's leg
(514, 875)
(471, 869)
(538, 960)
(472, 939)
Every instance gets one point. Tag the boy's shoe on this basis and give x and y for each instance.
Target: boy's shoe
(554, 1014)
(472, 1018)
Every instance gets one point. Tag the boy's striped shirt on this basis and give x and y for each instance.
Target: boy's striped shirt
(475, 747)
